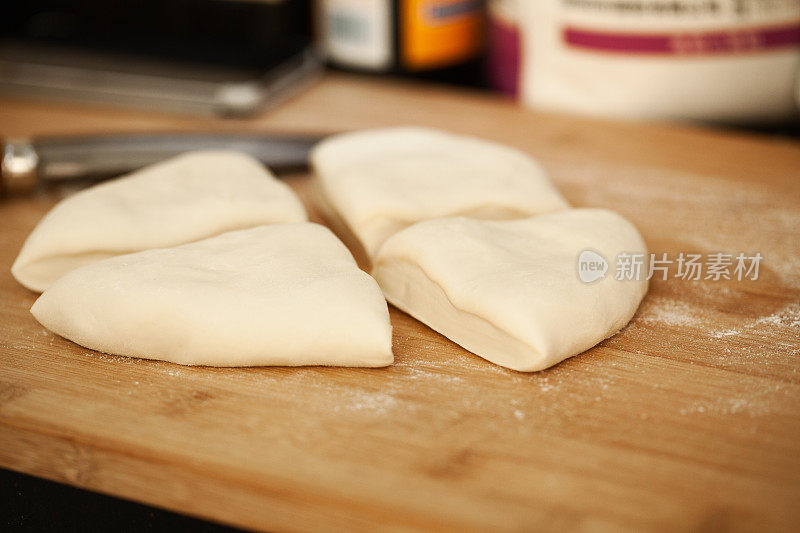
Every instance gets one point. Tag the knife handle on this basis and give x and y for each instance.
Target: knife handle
(59, 159)
(18, 164)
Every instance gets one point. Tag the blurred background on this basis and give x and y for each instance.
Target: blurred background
(726, 62)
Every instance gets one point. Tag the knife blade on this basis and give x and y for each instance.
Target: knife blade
(26, 163)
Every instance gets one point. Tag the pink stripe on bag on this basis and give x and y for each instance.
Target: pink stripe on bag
(697, 43)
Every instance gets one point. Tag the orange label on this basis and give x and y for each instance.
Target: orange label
(437, 33)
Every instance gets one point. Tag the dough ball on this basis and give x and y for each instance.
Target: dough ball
(510, 291)
(288, 294)
(190, 197)
(373, 183)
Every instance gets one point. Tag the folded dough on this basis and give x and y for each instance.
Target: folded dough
(190, 197)
(373, 183)
(509, 291)
(288, 294)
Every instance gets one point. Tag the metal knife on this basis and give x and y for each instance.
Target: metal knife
(27, 163)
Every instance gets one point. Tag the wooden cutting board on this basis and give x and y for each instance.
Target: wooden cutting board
(689, 419)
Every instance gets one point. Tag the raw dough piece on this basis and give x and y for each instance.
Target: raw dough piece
(288, 294)
(190, 197)
(373, 183)
(509, 291)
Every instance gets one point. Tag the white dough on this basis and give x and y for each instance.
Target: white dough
(190, 197)
(288, 294)
(377, 182)
(509, 291)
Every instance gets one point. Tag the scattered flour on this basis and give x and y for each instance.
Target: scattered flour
(758, 402)
(377, 402)
(725, 333)
(668, 311)
(432, 375)
(788, 316)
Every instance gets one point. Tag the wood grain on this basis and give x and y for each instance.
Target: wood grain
(689, 419)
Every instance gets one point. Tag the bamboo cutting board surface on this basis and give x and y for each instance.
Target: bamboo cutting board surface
(688, 419)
